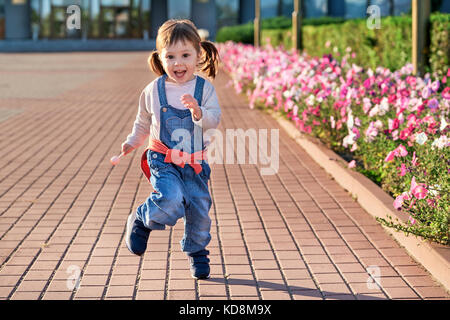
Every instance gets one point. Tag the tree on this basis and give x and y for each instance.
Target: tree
(391, 7)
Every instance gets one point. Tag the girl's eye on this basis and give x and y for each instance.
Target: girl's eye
(185, 55)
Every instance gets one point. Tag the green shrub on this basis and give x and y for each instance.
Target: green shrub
(241, 33)
(389, 46)
(244, 33)
(439, 43)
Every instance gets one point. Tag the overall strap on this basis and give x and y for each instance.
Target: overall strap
(162, 90)
(198, 93)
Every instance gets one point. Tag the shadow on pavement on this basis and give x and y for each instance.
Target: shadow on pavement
(307, 292)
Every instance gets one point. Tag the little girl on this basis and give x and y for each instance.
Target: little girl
(175, 110)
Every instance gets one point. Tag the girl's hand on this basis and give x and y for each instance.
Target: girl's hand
(191, 103)
(126, 148)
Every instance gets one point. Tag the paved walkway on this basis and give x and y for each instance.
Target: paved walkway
(63, 207)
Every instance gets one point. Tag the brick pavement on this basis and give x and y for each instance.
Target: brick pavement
(63, 207)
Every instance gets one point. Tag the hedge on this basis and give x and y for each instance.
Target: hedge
(390, 46)
(244, 33)
(373, 47)
(439, 43)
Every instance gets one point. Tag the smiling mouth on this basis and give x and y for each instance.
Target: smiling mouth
(180, 74)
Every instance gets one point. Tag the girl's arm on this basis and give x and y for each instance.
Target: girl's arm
(141, 127)
(211, 112)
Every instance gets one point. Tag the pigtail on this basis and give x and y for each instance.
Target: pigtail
(155, 63)
(210, 63)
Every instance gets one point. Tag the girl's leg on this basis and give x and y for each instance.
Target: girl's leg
(197, 223)
(167, 204)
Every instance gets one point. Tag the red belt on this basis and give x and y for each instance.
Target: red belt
(178, 157)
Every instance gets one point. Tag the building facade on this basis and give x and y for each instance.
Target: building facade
(140, 19)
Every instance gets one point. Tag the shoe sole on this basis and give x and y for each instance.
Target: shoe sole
(201, 278)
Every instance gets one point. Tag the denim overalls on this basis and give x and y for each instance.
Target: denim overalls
(179, 192)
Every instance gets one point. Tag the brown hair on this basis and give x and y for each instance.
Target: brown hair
(173, 31)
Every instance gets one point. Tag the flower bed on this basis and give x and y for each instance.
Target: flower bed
(390, 126)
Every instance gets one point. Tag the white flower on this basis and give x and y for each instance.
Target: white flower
(433, 190)
(444, 124)
(350, 121)
(384, 107)
(287, 94)
(440, 142)
(378, 124)
(374, 111)
(421, 138)
(349, 139)
(333, 123)
(310, 100)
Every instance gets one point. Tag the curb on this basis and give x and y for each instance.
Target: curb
(432, 256)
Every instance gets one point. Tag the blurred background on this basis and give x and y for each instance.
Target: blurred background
(328, 26)
(140, 19)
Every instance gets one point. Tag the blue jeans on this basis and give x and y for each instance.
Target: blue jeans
(179, 193)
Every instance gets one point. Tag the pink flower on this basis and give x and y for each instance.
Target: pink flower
(435, 85)
(418, 190)
(395, 135)
(401, 151)
(413, 184)
(412, 220)
(356, 133)
(425, 93)
(352, 164)
(402, 170)
(398, 202)
(393, 124)
(390, 156)
(446, 93)
(414, 159)
(371, 132)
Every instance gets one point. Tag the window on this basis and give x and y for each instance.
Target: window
(2, 19)
(227, 12)
(179, 9)
(355, 9)
(269, 8)
(316, 8)
(99, 18)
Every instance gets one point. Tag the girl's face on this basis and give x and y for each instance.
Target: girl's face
(180, 61)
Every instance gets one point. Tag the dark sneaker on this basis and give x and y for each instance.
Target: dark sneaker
(137, 235)
(199, 264)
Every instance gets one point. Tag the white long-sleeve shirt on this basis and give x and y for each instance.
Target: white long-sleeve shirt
(147, 121)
